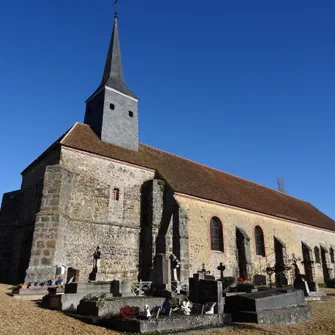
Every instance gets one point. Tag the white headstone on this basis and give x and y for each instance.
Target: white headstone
(60, 270)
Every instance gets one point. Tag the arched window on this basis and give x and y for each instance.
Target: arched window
(259, 238)
(216, 235)
(331, 254)
(317, 255)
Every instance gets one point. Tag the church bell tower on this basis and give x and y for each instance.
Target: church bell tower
(112, 110)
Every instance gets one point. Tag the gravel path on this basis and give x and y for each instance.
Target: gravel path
(26, 318)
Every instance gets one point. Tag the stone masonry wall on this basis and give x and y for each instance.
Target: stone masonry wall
(166, 233)
(291, 234)
(91, 216)
(17, 221)
(47, 225)
(35, 174)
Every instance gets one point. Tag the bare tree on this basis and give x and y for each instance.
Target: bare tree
(280, 184)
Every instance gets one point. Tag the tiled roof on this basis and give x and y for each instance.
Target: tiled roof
(194, 179)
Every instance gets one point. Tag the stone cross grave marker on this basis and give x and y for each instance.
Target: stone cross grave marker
(96, 260)
(221, 268)
(204, 274)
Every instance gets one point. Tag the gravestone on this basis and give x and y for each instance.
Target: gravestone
(301, 284)
(96, 275)
(203, 291)
(204, 274)
(273, 306)
(310, 295)
(259, 279)
(313, 286)
(72, 273)
(161, 284)
(60, 271)
(281, 280)
(221, 268)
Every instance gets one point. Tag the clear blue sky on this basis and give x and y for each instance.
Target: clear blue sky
(244, 86)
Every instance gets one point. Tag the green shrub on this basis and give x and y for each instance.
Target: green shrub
(330, 283)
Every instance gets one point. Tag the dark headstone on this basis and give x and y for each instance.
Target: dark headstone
(312, 286)
(299, 283)
(116, 288)
(72, 272)
(205, 291)
(221, 268)
(281, 280)
(208, 291)
(259, 280)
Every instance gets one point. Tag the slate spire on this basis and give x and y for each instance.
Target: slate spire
(113, 72)
(112, 110)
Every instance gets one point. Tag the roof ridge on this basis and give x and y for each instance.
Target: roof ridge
(230, 174)
(68, 132)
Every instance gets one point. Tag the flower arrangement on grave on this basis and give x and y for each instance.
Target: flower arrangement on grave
(129, 312)
(241, 280)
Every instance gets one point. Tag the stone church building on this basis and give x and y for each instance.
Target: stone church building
(98, 186)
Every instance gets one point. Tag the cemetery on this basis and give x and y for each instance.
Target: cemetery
(168, 264)
(165, 305)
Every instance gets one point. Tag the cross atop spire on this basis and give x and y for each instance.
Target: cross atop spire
(116, 2)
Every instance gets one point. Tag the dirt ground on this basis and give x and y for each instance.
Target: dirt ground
(26, 317)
